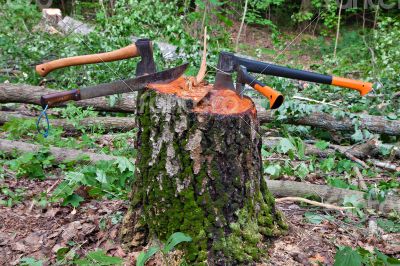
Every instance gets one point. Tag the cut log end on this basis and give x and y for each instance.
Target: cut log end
(208, 100)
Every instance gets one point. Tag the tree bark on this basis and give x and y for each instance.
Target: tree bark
(108, 123)
(12, 93)
(199, 171)
(60, 154)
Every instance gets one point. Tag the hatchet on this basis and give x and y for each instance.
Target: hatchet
(142, 48)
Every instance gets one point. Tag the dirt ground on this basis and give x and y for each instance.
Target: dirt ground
(28, 230)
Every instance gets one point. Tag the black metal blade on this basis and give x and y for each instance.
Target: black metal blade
(134, 84)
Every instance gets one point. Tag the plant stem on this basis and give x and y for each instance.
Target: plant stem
(241, 26)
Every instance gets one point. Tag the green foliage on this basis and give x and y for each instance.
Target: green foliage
(356, 257)
(31, 164)
(389, 226)
(172, 242)
(111, 179)
(10, 197)
(99, 258)
(30, 262)
(18, 127)
(316, 218)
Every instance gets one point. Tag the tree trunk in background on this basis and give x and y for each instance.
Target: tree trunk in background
(199, 172)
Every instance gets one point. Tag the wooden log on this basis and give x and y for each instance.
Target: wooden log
(108, 123)
(19, 93)
(375, 124)
(328, 194)
(199, 171)
(60, 154)
(15, 93)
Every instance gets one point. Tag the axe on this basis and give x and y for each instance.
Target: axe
(229, 63)
(142, 48)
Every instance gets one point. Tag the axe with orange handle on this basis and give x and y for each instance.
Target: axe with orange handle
(142, 48)
(229, 63)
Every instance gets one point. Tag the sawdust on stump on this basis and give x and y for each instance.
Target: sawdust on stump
(199, 172)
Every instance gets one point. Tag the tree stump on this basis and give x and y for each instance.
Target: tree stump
(199, 171)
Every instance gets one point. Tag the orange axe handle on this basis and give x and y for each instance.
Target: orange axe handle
(275, 97)
(123, 53)
(362, 87)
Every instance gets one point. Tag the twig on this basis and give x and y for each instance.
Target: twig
(241, 26)
(203, 68)
(312, 100)
(315, 203)
(361, 183)
(345, 153)
(338, 28)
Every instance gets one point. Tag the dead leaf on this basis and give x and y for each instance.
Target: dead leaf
(317, 259)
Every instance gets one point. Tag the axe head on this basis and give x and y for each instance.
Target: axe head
(225, 68)
(146, 65)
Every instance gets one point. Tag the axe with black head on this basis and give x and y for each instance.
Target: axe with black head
(229, 63)
(142, 48)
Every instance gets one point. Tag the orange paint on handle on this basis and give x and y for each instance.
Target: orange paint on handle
(275, 97)
(361, 86)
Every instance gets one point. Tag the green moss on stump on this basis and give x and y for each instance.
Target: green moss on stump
(225, 207)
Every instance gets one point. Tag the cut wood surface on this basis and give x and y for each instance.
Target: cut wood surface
(60, 154)
(16, 93)
(328, 194)
(121, 124)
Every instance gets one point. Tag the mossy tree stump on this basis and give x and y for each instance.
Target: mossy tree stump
(199, 172)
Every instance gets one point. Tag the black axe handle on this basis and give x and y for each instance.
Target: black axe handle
(285, 72)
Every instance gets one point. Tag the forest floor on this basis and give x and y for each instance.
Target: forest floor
(27, 230)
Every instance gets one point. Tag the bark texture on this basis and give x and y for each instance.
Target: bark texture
(200, 173)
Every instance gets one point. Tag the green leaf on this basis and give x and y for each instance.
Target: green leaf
(174, 240)
(285, 145)
(273, 170)
(30, 262)
(101, 176)
(347, 257)
(145, 256)
(302, 170)
(74, 200)
(316, 218)
(98, 257)
(322, 145)
(123, 164)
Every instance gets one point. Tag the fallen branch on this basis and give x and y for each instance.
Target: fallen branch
(329, 194)
(375, 124)
(363, 150)
(18, 93)
(385, 165)
(60, 154)
(121, 124)
(13, 93)
(346, 153)
(315, 203)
